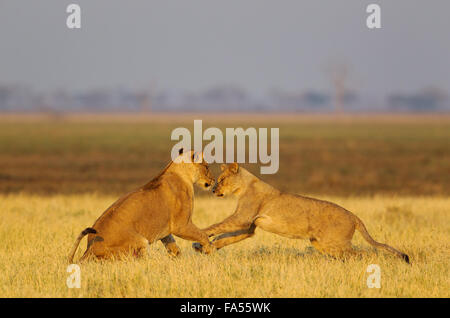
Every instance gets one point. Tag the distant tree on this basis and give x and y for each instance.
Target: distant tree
(146, 98)
(230, 97)
(338, 72)
(5, 95)
(316, 99)
(427, 100)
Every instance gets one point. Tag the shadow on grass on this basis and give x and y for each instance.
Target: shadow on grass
(308, 253)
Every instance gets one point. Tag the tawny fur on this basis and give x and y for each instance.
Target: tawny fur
(329, 227)
(153, 212)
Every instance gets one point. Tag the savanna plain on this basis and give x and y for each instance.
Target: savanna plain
(58, 174)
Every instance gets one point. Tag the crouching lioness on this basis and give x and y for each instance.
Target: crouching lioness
(153, 212)
(329, 227)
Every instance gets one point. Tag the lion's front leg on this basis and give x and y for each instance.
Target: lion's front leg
(228, 238)
(234, 237)
(231, 224)
(192, 233)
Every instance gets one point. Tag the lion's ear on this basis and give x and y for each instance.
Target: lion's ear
(223, 167)
(234, 167)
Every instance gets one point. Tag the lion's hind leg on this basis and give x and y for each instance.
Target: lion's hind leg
(129, 244)
(170, 245)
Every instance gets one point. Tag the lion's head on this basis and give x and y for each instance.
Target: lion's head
(229, 181)
(195, 167)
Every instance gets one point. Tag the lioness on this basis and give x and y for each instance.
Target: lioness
(329, 227)
(153, 212)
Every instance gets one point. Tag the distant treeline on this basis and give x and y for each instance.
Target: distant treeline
(219, 98)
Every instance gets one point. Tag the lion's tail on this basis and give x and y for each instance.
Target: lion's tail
(362, 229)
(85, 232)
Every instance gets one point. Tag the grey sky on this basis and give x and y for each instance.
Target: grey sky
(195, 44)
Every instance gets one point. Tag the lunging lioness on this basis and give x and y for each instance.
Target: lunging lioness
(329, 227)
(153, 212)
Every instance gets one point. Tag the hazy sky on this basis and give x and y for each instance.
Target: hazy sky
(195, 44)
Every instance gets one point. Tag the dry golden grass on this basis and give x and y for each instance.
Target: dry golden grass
(36, 234)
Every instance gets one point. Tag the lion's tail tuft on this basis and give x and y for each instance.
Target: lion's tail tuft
(88, 230)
